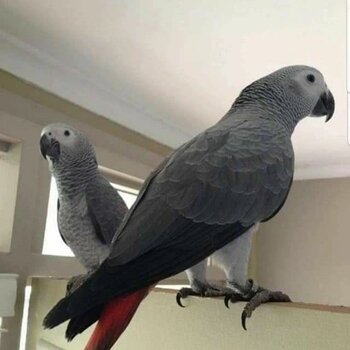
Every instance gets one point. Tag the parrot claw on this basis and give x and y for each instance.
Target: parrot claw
(75, 282)
(237, 293)
(254, 295)
(184, 293)
(243, 319)
(72, 283)
(233, 298)
(178, 300)
(261, 297)
(204, 291)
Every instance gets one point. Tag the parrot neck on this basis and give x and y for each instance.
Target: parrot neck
(261, 101)
(260, 112)
(71, 180)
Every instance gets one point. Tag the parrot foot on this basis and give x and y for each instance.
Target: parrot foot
(75, 282)
(255, 296)
(239, 293)
(201, 290)
(261, 297)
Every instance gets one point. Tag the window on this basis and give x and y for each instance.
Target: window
(10, 155)
(53, 243)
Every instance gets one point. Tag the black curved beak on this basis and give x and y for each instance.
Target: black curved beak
(324, 106)
(49, 147)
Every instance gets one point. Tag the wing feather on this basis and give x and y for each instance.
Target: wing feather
(106, 208)
(58, 221)
(217, 178)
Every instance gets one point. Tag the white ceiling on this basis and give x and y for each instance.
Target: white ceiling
(169, 69)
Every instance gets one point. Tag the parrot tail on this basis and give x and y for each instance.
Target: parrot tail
(114, 319)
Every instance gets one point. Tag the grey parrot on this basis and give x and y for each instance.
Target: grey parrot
(208, 193)
(89, 208)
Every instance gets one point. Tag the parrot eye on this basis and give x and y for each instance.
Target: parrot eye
(311, 78)
(66, 133)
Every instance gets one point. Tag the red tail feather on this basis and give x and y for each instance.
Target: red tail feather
(114, 320)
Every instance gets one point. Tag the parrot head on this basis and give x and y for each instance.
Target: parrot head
(310, 87)
(63, 145)
(294, 91)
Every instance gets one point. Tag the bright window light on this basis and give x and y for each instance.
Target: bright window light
(53, 243)
(128, 194)
(24, 326)
(1, 329)
(172, 286)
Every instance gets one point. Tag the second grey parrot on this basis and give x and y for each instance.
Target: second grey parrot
(206, 194)
(89, 208)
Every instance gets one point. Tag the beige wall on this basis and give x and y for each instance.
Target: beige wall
(305, 250)
(205, 325)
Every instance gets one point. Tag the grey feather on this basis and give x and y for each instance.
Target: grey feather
(58, 222)
(106, 208)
